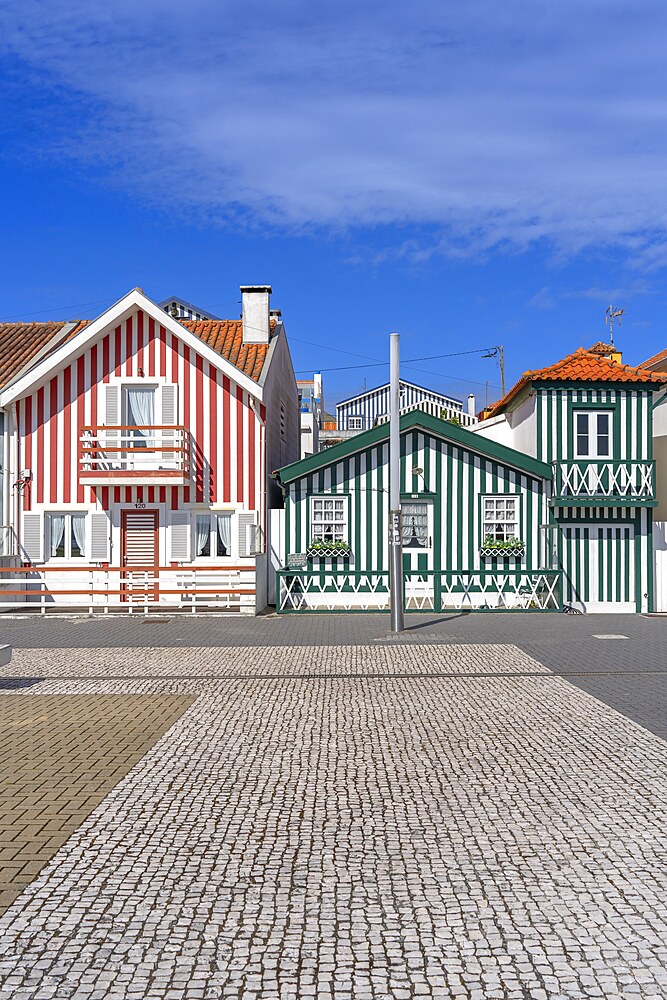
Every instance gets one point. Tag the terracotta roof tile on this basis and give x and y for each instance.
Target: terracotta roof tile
(19, 343)
(601, 348)
(655, 360)
(226, 337)
(581, 366)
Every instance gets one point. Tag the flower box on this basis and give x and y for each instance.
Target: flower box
(328, 550)
(491, 548)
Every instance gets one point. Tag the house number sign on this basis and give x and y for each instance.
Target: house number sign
(140, 505)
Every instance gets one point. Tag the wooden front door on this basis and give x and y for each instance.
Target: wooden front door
(139, 554)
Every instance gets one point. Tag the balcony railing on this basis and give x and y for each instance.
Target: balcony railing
(604, 483)
(152, 454)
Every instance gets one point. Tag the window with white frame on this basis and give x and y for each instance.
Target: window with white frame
(500, 518)
(415, 525)
(213, 535)
(355, 423)
(592, 434)
(329, 520)
(65, 535)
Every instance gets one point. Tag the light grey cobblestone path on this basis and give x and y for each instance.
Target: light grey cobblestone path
(280, 661)
(335, 835)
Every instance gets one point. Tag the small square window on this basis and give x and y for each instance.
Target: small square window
(329, 520)
(65, 535)
(213, 535)
(592, 434)
(500, 519)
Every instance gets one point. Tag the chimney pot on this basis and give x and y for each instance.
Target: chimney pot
(471, 404)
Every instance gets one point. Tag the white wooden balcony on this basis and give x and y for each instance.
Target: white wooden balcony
(150, 455)
(604, 484)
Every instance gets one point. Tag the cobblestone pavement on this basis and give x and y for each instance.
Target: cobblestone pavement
(369, 822)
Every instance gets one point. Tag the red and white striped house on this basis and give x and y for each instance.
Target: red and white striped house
(138, 452)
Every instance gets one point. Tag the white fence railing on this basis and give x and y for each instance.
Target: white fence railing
(302, 590)
(139, 589)
(634, 480)
(462, 417)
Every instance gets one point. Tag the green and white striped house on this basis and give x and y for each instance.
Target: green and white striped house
(472, 516)
(548, 501)
(590, 418)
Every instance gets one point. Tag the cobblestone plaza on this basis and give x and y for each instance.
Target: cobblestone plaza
(443, 816)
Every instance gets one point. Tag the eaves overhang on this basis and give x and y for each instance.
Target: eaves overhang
(417, 420)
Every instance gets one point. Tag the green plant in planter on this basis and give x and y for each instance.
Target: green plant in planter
(332, 548)
(497, 545)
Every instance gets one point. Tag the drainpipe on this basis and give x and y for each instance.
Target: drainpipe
(14, 424)
(6, 478)
(263, 513)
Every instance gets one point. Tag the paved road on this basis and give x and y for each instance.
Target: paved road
(629, 674)
(431, 816)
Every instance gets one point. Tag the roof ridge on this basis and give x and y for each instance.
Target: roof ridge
(602, 369)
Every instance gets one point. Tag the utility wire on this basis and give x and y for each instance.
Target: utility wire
(380, 364)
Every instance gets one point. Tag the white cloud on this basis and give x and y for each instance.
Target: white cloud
(493, 125)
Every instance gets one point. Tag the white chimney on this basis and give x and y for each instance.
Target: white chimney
(471, 404)
(256, 305)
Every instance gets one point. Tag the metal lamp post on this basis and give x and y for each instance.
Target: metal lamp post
(395, 541)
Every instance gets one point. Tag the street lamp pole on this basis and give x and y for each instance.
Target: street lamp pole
(395, 541)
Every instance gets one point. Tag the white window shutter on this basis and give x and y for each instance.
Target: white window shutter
(33, 537)
(180, 536)
(99, 536)
(169, 404)
(169, 417)
(247, 534)
(112, 418)
(111, 404)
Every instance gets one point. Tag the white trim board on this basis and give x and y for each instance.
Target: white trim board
(136, 299)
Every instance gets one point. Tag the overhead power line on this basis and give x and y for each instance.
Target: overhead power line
(380, 364)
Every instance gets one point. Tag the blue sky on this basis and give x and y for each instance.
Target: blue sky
(467, 175)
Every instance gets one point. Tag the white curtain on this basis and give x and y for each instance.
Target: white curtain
(203, 532)
(79, 531)
(225, 533)
(141, 411)
(57, 531)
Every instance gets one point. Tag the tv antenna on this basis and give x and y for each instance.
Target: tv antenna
(611, 316)
(498, 352)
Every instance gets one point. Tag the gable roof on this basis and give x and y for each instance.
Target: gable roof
(423, 421)
(403, 381)
(219, 341)
(655, 360)
(580, 366)
(21, 342)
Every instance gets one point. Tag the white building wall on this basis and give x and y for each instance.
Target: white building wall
(283, 424)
